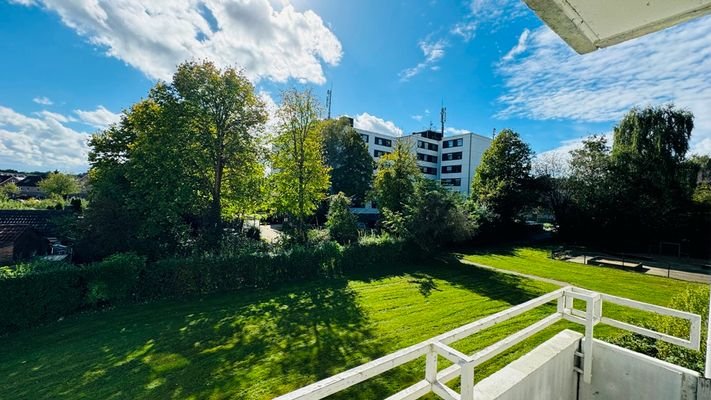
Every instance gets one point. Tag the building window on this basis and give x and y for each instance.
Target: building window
(451, 169)
(378, 153)
(383, 142)
(421, 144)
(426, 157)
(364, 137)
(452, 182)
(428, 170)
(452, 156)
(431, 135)
(453, 143)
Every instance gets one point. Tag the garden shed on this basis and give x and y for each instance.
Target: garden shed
(19, 242)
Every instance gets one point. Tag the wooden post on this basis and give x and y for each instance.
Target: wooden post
(431, 366)
(590, 306)
(708, 343)
(467, 385)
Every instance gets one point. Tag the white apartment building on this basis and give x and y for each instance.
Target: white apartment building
(450, 159)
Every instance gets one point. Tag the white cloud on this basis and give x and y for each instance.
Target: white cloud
(550, 81)
(45, 101)
(416, 117)
(375, 124)
(269, 39)
(271, 107)
(455, 131)
(519, 48)
(496, 12)
(433, 52)
(55, 116)
(40, 143)
(99, 118)
(465, 30)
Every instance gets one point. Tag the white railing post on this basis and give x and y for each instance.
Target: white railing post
(467, 381)
(707, 373)
(431, 366)
(560, 304)
(592, 304)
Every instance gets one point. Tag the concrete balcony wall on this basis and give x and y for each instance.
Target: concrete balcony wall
(545, 373)
(619, 373)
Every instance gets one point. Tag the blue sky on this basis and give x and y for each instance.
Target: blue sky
(70, 66)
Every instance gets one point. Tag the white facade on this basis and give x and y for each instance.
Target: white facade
(452, 160)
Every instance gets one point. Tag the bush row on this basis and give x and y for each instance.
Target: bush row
(36, 293)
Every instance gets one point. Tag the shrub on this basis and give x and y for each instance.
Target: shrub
(341, 222)
(30, 298)
(39, 292)
(694, 300)
(432, 217)
(113, 280)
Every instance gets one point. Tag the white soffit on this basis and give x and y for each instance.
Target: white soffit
(587, 25)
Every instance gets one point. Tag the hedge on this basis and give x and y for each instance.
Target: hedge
(32, 295)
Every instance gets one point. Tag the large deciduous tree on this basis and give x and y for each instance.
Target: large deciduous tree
(347, 155)
(300, 178)
(395, 178)
(648, 157)
(222, 114)
(503, 179)
(59, 184)
(161, 173)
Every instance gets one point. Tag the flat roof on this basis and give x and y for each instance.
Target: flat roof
(588, 25)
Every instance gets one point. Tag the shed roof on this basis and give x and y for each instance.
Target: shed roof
(43, 221)
(10, 233)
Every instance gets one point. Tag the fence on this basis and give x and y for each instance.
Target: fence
(464, 365)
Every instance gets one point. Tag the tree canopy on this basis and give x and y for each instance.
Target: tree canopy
(59, 184)
(503, 179)
(159, 175)
(347, 155)
(395, 178)
(300, 177)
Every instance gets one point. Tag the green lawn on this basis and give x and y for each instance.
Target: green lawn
(633, 285)
(256, 345)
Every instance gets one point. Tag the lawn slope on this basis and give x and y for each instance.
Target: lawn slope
(256, 345)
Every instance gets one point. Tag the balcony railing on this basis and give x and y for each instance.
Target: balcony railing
(464, 365)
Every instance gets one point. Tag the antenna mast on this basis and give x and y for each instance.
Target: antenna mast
(443, 117)
(329, 93)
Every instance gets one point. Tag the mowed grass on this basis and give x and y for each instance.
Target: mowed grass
(259, 344)
(535, 261)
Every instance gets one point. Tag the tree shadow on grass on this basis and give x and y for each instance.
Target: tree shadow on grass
(243, 345)
(247, 344)
(425, 283)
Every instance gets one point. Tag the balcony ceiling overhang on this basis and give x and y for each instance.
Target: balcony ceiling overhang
(588, 25)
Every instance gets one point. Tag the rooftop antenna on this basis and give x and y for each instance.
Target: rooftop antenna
(329, 93)
(443, 116)
(493, 133)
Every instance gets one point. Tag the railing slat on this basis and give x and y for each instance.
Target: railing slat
(495, 349)
(445, 392)
(649, 333)
(415, 391)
